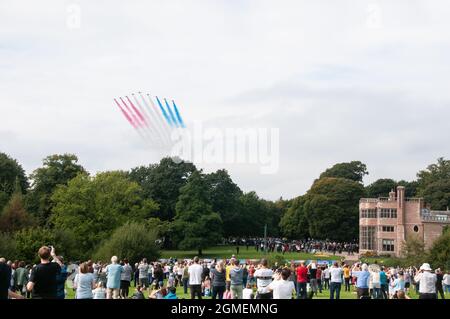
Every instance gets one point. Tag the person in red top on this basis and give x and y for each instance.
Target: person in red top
(302, 279)
(319, 278)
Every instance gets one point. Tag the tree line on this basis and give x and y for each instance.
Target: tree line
(176, 203)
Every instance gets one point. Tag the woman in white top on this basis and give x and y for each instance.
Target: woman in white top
(84, 282)
(282, 287)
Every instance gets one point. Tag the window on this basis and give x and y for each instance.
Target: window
(368, 238)
(388, 212)
(416, 229)
(387, 229)
(388, 245)
(368, 213)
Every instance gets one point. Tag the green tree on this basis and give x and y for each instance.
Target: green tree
(11, 173)
(410, 188)
(56, 170)
(413, 251)
(14, 216)
(434, 184)
(195, 224)
(354, 171)
(331, 207)
(93, 207)
(294, 224)
(162, 182)
(7, 246)
(381, 188)
(440, 251)
(131, 240)
(224, 195)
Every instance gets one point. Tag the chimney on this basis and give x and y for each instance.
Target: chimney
(392, 196)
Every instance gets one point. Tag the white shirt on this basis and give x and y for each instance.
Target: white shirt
(427, 282)
(282, 289)
(263, 279)
(195, 274)
(336, 274)
(247, 293)
(446, 280)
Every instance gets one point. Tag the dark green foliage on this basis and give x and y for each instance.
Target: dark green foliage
(354, 171)
(133, 241)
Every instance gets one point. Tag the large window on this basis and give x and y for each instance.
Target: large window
(388, 213)
(387, 229)
(368, 213)
(368, 241)
(388, 245)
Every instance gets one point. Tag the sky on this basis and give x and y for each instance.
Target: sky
(342, 80)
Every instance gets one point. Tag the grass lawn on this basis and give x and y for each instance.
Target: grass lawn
(225, 252)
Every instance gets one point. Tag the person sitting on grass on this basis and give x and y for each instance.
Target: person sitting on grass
(139, 293)
(172, 293)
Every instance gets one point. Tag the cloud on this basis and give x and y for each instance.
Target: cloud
(365, 80)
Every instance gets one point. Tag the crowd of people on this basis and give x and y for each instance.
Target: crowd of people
(283, 246)
(216, 279)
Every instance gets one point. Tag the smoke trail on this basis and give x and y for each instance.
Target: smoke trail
(156, 117)
(180, 120)
(172, 117)
(164, 112)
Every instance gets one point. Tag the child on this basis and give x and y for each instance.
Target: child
(139, 294)
(172, 293)
(207, 287)
(99, 292)
(247, 293)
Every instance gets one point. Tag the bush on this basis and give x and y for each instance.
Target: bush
(133, 241)
(7, 246)
(440, 252)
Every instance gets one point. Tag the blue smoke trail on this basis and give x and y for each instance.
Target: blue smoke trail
(164, 112)
(180, 120)
(172, 117)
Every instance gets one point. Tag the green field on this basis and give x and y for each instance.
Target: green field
(225, 252)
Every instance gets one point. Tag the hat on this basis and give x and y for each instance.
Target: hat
(425, 267)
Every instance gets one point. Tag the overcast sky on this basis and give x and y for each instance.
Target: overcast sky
(342, 80)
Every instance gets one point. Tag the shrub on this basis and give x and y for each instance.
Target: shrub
(133, 241)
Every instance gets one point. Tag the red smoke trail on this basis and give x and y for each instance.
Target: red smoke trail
(135, 119)
(126, 115)
(143, 121)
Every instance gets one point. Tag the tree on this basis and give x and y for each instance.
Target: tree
(7, 246)
(29, 240)
(56, 170)
(14, 216)
(413, 251)
(93, 207)
(440, 251)
(133, 241)
(224, 195)
(11, 173)
(410, 188)
(331, 207)
(354, 171)
(294, 224)
(434, 184)
(195, 224)
(381, 188)
(162, 183)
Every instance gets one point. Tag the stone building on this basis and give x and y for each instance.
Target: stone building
(385, 223)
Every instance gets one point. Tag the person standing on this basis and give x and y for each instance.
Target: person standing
(383, 283)
(125, 279)
(21, 278)
(84, 282)
(143, 273)
(346, 270)
(5, 282)
(439, 288)
(282, 288)
(427, 282)
(61, 280)
(237, 280)
(362, 282)
(218, 280)
(375, 283)
(302, 279)
(42, 283)
(113, 272)
(326, 277)
(335, 281)
(263, 278)
(446, 282)
(195, 279)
